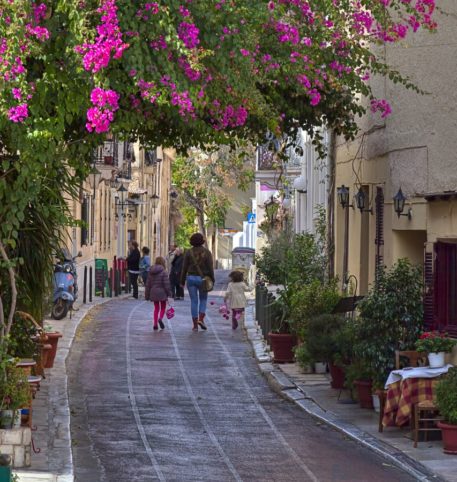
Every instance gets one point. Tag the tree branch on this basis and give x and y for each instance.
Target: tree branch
(12, 276)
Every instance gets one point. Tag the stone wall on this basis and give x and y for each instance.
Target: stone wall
(17, 442)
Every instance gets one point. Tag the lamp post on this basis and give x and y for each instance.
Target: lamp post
(399, 205)
(121, 206)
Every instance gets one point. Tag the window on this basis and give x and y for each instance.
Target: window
(85, 221)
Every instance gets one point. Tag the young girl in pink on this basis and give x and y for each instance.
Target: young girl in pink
(235, 296)
(158, 290)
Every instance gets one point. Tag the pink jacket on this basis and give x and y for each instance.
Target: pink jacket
(157, 284)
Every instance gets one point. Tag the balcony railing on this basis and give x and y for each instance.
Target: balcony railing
(107, 153)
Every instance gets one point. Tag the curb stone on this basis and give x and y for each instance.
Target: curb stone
(60, 457)
(287, 389)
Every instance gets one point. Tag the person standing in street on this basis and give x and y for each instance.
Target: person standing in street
(197, 266)
(158, 290)
(235, 296)
(145, 264)
(175, 275)
(133, 266)
(170, 256)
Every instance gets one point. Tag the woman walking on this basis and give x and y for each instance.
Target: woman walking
(175, 275)
(197, 264)
(145, 264)
(158, 290)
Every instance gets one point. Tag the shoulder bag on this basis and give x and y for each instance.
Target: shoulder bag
(207, 282)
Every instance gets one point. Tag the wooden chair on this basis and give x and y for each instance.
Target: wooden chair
(425, 416)
(415, 358)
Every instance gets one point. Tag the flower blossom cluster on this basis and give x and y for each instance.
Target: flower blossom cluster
(100, 116)
(108, 44)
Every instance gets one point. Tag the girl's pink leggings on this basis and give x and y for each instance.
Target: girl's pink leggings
(159, 310)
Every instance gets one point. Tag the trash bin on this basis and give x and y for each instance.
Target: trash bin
(243, 260)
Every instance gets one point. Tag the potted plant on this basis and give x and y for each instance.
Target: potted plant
(436, 345)
(53, 340)
(446, 400)
(343, 340)
(320, 338)
(360, 377)
(390, 318)
(14, 393)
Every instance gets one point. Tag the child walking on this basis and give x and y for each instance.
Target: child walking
(235, 296)
(158, 290)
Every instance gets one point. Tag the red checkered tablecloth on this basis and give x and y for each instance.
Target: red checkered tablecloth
(402, 395)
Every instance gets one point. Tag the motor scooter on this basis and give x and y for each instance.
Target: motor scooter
(65, 285)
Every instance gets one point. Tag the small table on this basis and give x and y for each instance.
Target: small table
(407, 387)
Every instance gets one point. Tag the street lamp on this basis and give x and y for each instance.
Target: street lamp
(360, 200)
(271, 208)
(121, 203)
(343, 197)
(399, 205)
(299, 184)
(155, 199)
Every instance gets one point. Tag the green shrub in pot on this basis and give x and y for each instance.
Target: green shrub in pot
(320, 336)
(446, 397)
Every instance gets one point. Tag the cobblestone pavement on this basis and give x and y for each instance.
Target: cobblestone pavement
(177, 405)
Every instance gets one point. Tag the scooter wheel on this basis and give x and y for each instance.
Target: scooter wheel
(60, 309)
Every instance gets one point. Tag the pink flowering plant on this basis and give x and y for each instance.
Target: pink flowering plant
(182, 74)
(435, 342)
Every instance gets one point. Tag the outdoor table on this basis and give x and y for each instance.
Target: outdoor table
(407, 387)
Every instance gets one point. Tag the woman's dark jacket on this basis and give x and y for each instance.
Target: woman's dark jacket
(203, 260)
(133, 260)
(176, 268)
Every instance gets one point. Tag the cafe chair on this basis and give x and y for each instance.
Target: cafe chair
(425, 418)
(414, 359)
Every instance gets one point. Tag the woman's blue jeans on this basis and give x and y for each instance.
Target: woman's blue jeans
(198, 297)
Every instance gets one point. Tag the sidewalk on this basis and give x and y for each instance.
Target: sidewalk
(313, 394)
(51, 413)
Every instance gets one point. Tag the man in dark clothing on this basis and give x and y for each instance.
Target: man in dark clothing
(133, 265)
(175, 275)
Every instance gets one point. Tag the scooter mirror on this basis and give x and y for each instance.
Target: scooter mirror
(80, 253)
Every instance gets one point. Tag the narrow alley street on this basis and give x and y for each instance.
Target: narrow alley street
(182, 406)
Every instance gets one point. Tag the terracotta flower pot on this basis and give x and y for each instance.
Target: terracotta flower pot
(53, 340)
(45, 351)
(449, 433)
(338, 376)
(364, 391)
(282, 345)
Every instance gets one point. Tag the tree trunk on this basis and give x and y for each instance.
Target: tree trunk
(201, 222)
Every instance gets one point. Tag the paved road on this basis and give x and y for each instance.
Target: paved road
(182, 406)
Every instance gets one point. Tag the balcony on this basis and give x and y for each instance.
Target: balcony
(266, 159)
(107, 153)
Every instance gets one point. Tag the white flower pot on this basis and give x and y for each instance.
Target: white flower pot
(17, 418)
(436, 360)
(320, 367)
(376, 403)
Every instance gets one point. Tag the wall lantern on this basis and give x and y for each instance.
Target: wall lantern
(361, 202)
(155, 202)
(121, 203)
(271, 209)
(299, 184)
(343, 197)
(399, 205)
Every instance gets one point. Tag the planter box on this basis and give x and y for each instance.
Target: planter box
(282, 345)
(364, 391)
(338, 376)
(17, 442)
(53, 340)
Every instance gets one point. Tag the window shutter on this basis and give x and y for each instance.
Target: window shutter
(85, 219)
(429, 286)
(379, 240)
